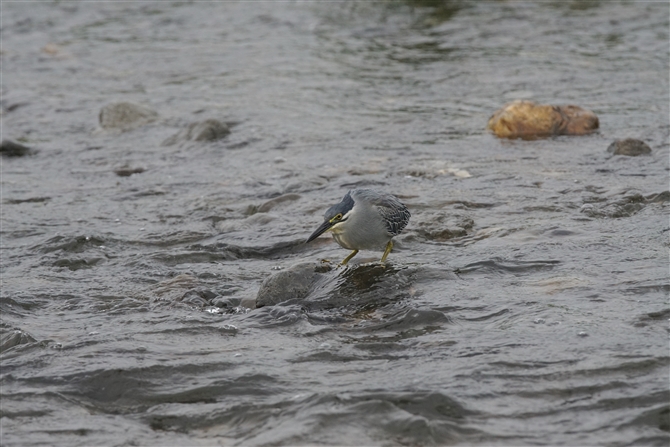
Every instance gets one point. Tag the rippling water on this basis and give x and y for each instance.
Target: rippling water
(526, 302)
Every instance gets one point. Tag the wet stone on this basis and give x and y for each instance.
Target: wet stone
(77, 263)
(630, 147)
(625, 206)
(661, 197)
(528, 120)
(15, 338)
(9, 148)
(126, 116)
(322, 286)
(295, 282)
(207, 131)
(127, 171)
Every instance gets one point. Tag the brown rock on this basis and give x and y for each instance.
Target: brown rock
(630, 147)
(528, 120)
(578, 121)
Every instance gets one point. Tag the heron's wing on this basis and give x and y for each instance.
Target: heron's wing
(395, 214)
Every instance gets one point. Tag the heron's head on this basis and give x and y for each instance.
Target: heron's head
(335, 217)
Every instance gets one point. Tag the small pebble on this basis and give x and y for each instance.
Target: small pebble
(539, 321)
(583, 334)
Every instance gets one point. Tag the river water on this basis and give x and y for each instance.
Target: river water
(526, 303)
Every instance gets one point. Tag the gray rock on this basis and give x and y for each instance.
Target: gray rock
(372, 285)
(126, 116)
(208, 130)
(319, 286)
(661, 197)
(15, 338)
(127, 171)
(9, 148)
(630, 147)
(625, 206)
(294, 283)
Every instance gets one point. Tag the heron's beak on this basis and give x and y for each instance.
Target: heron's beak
(327, 225)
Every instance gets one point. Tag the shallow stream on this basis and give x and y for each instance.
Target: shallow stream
(526, 303)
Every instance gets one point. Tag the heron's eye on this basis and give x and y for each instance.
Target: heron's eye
(336, 218)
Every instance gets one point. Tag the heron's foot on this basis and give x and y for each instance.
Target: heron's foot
(389, 247)
(348, 258)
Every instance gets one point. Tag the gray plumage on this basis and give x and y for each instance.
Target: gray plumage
(365, 220)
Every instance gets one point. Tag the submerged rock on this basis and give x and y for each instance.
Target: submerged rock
(660, 197)
(528, 120)
(127, 171)
(125, 116)
(356, 287)
(630, 147)
(15, 338)
(626, 206)
(208, 130)
(9, 148)
(294, 283)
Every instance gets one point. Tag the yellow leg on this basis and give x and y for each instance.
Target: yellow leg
(348, 258)
(389, 247)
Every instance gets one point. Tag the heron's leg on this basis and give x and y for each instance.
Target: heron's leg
(348, 258)
(389, 247)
